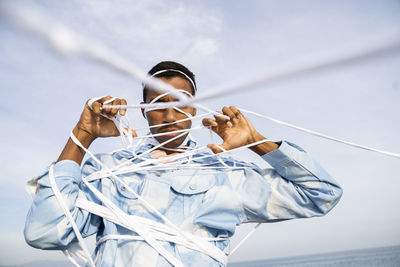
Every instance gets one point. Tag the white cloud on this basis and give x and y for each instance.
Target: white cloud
(146, 30)
(204, 47)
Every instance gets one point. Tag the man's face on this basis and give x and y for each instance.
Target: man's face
(169, 115)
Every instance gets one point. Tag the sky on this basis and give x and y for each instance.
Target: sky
(43, 93)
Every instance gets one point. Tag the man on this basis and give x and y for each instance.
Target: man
(202, 204)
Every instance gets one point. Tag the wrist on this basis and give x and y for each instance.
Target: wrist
(263, 148)
(83, 136)
(257, 137)
(71, 150)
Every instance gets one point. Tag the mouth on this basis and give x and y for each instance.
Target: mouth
(170, 132)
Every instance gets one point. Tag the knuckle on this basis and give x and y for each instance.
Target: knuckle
(106, 98)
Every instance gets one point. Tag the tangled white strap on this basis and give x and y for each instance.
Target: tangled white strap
(67, 213)
(68, 42)
(177, 71)
(159, 231)
(201, 245)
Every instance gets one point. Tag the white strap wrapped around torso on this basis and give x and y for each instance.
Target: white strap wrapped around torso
(68, 215)
(157, 230)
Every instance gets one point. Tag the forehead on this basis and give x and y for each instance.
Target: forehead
(177, 82)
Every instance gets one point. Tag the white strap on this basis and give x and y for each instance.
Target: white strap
(387, 153)
(178, 71)
(157, 230)
(139, 238)
(91, 101)
(252, 231)
(69, 216)
(132, 225)
(109, 204)
(109, 100)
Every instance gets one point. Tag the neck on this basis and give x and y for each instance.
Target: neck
(169, 152)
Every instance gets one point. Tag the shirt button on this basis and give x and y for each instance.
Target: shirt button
(123, 188)
(158, 173)
(193, 186)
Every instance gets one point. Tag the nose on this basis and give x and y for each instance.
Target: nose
(170, 115)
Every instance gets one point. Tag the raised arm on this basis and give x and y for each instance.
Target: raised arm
(296, 187)
(92, 125)
(46, 225)
(237, 132)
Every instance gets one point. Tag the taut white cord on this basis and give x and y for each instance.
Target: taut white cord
(391, 154)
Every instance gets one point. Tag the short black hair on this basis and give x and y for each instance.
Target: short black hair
(165, 65)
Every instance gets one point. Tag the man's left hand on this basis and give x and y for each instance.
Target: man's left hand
(236, 132)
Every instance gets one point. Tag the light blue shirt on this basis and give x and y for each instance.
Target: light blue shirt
(207, 202)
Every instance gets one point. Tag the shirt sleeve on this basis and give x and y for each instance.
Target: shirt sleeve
(296, 187)
(46, 225)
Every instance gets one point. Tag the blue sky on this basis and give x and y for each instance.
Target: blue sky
(43, 94)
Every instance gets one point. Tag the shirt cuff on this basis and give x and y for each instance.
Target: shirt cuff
(280, 155)
(286, 159)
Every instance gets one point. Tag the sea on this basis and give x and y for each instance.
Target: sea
(374, 257)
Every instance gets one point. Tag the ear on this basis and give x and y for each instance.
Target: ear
(142, 109)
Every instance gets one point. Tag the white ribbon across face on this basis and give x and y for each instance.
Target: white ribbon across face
(177, 71)
(154, 141)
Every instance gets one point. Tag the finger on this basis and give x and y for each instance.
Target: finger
(104, 100)
(209, 122)
(228, 112)
(214, 148)
(219, 119)
(114, 111)
(134, 134)
(235, 111)
(92, 100)
(107, 102)
(122, 111)
(233, 119)
(236, 115)
(96, 107)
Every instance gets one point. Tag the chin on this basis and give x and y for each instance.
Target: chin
(173, 144)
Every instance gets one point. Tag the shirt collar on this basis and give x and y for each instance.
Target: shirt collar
(128, 153)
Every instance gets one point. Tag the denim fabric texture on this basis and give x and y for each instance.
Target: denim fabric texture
(207, 202)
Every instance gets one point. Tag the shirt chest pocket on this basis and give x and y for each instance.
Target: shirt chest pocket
(169, 192)
(190, 187)
(191, 182)
(126, 193)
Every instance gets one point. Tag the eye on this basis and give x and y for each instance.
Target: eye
(161, 101)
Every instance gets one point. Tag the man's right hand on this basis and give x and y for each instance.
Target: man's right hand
(92, 125)
(95, 124)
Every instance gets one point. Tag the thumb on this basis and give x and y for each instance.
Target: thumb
(216, 149)
(134, 134)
